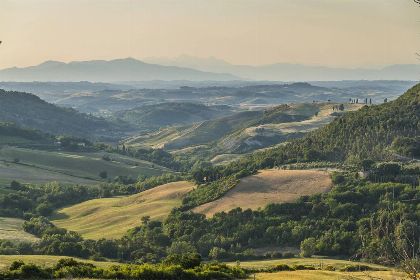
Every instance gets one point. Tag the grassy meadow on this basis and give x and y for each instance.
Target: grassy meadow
(11, 229)
(112, 217)
(36, 166)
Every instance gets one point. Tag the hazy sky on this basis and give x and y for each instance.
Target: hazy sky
(348, 33)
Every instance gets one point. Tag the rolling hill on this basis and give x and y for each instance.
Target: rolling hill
(39, 166)
(269, 186)
(11, 134)
(372, 132)
(128, 69)
(112, 217)
(160, 115)
(29, 111)
(242, 132)
(212, 130)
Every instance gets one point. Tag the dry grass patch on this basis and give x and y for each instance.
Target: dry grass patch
(315, 262)
(269, 186)
(329, 275)
(112, 217)
(11, 229)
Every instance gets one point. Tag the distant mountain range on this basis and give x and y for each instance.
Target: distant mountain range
(292, 72)
(117, 70)
(188, 68)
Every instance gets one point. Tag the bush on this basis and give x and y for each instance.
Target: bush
(329, 268)
(288, 255)
(282, 267)
(307, 247)
(303, 267)
(103, 174)
(354, 268)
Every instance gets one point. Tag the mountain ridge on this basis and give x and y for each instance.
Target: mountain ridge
(293, 71)
(116, 70)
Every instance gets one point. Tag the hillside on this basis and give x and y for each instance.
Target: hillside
(209, 131)
(38, 166)
(269, 186)
(128, 69)
(29, 111)
(161, 115)
(112, 217)
(370, 131)
(11, 134)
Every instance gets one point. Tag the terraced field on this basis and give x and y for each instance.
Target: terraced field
(112, 217)
(36, 166)
(11, 229)
(269, 186)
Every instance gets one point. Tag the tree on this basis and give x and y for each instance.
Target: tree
(103, 174)
(145, 220)
(308, 247)
(181, 247)
(393, 239)
(44, 209)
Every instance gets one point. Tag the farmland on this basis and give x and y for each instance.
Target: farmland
(36, 166)
(269, 186)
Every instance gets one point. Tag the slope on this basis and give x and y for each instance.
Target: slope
(368, 132)
(37, 166)
(269, 186)
(29, 111)
(11, 229)
(112, 217)
(11, 134)
(204, 133)
(171, 113)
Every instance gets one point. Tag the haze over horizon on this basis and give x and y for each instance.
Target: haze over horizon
(349, 34)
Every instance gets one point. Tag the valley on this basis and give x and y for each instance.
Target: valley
(284, 189)
(209, 140)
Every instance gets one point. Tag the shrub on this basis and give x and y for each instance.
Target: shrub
(307, 247)
(354, 268)
(282, 267)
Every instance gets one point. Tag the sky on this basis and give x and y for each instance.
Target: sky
(338, 33)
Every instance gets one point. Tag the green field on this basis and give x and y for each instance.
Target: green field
(11, 229)
(35, 166)
(42, 260)
(112, 217)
